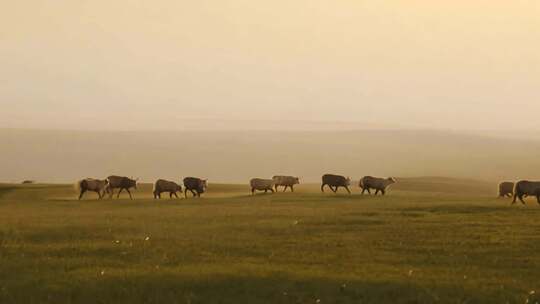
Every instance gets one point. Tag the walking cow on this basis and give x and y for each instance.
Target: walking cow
(261, 185)
(526, 188)
(506, 189)
(122, 183)
(379, 184)
(162, 185)
(91, 184)
(335, 181)
(195, 185)
(287, 181)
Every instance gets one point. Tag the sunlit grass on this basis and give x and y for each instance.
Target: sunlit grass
(425, 242)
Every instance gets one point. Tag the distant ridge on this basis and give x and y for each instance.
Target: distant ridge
(236, 156)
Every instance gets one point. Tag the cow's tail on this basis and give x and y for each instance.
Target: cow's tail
(107, 189)
(517, 192)
(361, 183)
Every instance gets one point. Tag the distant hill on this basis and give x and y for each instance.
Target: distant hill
(235, 156)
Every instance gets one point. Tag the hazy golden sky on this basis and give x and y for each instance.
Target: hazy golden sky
(128, 64)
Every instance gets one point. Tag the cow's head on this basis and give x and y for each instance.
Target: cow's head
(201, 187)
(297, 180)
(391, 180)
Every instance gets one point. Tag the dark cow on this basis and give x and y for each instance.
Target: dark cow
(526, 188)
(195, 185)
(162, 185)
(260, 184)
(91, 184)
(335, 181)
(286, 181)
(122, 183)
(506, 189)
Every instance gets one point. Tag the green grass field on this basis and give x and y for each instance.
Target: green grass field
(430, 240)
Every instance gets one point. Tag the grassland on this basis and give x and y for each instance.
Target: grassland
(431, 240)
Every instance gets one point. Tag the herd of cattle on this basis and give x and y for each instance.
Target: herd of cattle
(102, 187)
(520, 190)
(198, 186)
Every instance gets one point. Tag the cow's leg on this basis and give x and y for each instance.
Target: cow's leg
(185, 192)
(383, 192)
(98, 193)
(292, 188)
(334, 190)
(193, 192)
(538, 198)
(285, 188)
(271, 190)
(129, 194)
(276, 186)
(521, 199)
(347, 188)
(322, 187)
(514, 200)
(252, 191)
(176, 195)
(81, 194)
(170, 195)
(118, 196)
(376, 191)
